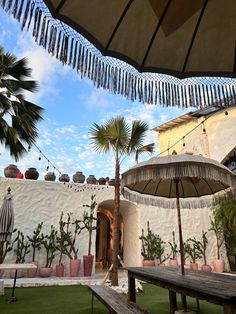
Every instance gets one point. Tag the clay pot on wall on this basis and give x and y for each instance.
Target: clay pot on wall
(147, 262)
(45, 271)
(64, 178)
(218, 265)
(102, 181)
(11, 171)
(88, 265)
(79, 177)
(206, 268)
(50, 176)
(32, 174)
(91, 179)
(32, 272)
(74, 267)
(60, 270)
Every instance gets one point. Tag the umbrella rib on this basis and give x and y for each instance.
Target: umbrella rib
(157, 187)
(170, 188)
(194, 187)
(60, 5)
(182, 186)
(118, 23)
(208, 185)
(194, 35)
(155, 32)
(146, 185)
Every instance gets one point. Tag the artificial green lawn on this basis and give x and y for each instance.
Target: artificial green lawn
(77, 300)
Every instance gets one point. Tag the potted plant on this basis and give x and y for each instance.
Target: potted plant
(217, 228)
(174, 251)
(21, 250)
(186, 256)
(225, 212)
(35, 243)
(49, 243)
(201, 247)
(148, 250)
(62, 245)
(193, 252)
(70, 230)
(90, 224)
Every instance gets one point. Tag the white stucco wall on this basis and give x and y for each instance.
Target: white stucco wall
(36, 201)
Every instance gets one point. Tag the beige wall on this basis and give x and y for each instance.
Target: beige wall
(218, 140)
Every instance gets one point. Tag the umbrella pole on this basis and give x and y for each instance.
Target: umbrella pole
(179, 225)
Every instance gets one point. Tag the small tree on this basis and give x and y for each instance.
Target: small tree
(201, 246)
(192, 250)
(148, 250)
(89, 219)
(5, 247)
(22, 247)
(160, 249)
(173, 247)
(36, 241)
(69, 230)
(49, 243)
(217, 227)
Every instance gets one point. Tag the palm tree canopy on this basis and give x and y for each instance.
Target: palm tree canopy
(116, 135)
(14, 79)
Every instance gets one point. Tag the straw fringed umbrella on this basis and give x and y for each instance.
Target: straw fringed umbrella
(166, 181)
(6, 218)
(152, 43)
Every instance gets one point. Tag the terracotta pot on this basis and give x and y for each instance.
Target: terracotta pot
(161, 264)
(194, 266)
(91, 179)
(32, 272)
(102, 181)
(60, 270)
(11, 171)
(64, 178)
(173, 262)
(148, 263)
(20, 273)
(88, 265)
(187, 266)
(79, 177)
(50, 176)
(74, 267)
(206, 268)
(32, 174)
(45, 271)
(218, 265)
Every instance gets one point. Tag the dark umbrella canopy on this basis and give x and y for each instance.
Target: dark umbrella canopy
(150, 41)
(6, 218)
(179, 37)
(164, 181)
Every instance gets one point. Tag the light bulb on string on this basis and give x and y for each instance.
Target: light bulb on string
(47, 168)
(226, 112)
(40, 155)
(29, 148)
(203, 127)
(184, 142)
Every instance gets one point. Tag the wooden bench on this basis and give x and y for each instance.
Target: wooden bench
(114, 302)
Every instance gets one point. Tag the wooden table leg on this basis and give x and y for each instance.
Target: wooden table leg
(173, 302)
(131, 288)
(229, 308)
(184, 302)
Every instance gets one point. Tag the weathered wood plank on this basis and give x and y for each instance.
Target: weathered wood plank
(115, 302)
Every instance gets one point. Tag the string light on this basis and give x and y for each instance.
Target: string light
(226, 112)
(47, 168)
(29, 148)
(184, 142)
(40, 155)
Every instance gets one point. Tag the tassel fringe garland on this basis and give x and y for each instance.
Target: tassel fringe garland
(107, 73)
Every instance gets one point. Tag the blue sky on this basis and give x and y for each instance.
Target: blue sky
(71, 106)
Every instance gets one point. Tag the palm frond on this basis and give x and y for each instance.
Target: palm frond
(149, 148)
(137, 136)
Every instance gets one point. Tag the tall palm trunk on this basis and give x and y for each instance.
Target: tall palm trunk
(116, 219)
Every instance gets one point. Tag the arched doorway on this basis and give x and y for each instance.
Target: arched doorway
(104, 242)
(130, 246)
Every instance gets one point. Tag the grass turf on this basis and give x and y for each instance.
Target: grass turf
(77, 300)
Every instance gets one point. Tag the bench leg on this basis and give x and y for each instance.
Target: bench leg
(198, 304)
(173, 302)
(92, 305)
(229, 309)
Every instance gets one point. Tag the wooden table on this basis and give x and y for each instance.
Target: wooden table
(212, 287)
(16, 267)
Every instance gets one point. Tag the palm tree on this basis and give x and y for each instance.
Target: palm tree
(18, 116)
(117, 136)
